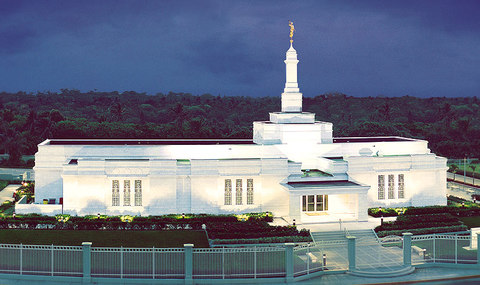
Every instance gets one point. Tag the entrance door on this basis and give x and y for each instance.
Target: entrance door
(314, 203)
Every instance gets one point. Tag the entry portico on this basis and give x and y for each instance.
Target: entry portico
(327, 201)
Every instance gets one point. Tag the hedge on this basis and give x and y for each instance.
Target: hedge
(409, 219)
(455, 211)
(254, 225)
(386, 212)
(424, 231)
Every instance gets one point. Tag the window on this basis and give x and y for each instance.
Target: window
(228, 192)
(115, 193)
(381, 187)
(311, 203)
(238, 191)
(126, 192)
(401, 186)
(391, 186)
(314, 203)
(249, 191)
(138, 192)
(319, 202)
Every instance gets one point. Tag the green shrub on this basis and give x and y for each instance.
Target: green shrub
(410, 222)
(455, 211)
(424, 231)
(385, 212)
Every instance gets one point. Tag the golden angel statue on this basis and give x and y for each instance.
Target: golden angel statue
(292, 29)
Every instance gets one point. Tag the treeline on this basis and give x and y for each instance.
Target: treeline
(451, 125)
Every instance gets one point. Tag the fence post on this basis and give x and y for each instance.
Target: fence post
(407, 249)
(351, 253)
(188, 250)
(21, 258)
(87, 261)
(289, 262)
(478, 249)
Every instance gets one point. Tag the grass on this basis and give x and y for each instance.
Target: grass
(3, 184)
(471, 222)
(159, 239)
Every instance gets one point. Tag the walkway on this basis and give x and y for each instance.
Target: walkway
(7, 192)
(422, 274)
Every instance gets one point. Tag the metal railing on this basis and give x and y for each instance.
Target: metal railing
(41, 260)
(445, 248)
(283, 261)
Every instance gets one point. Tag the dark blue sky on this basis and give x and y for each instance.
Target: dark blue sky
(360, 48)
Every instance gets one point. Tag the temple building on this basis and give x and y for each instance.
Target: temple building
(292, 167)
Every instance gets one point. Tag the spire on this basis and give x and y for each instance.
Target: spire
(291, 96)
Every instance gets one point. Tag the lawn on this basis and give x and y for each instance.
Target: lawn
(471, 222)
(159, 239)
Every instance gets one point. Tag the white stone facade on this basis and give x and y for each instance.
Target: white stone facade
(293, 167)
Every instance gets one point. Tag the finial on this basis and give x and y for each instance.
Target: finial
(292, 29)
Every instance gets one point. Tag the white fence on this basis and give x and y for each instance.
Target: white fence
(286, 261)
(41, 260)
(443, 249)
(151, 263)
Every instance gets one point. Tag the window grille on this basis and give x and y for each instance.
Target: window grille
(401, 186)
(228, 192)
(391, 186)
(249, 191)
(381, 187)
(115, 193)
(138, 192)
(126, 193)
(238, 191)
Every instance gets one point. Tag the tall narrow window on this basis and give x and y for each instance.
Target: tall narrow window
(381, 187)
(401, 186)
(115, 193)
(311, 203)
(138, 192)
(126, 192)
(238, 192)
(319, 202)
(304, 203)
(325, 202)
(249, 191)
(228, 192)
(391, 186)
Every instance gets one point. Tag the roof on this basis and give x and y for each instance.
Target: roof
(371, 139)
(148, 141)
(323, 184)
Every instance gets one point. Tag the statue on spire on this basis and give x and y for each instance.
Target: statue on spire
(292, 29)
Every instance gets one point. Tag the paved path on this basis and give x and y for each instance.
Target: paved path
(437, 275)
(462, 190)
(326, 227)
(7, 192)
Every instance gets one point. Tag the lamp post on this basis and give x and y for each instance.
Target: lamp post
(464, 167)
(381, 215)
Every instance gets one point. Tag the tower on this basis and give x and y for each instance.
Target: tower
(291, 96)
(292, 125)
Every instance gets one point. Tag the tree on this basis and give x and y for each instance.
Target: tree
(473, 167)
(453, 168)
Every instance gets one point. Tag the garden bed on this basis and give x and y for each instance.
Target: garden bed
(421, 224)
(159, 239)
